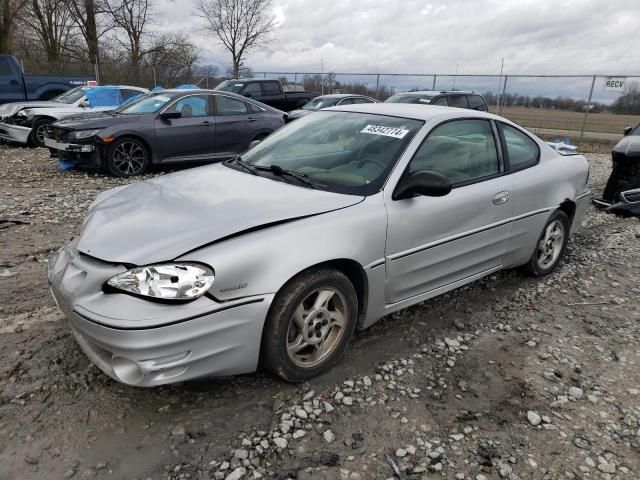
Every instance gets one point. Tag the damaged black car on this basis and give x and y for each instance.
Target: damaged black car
(622, 192)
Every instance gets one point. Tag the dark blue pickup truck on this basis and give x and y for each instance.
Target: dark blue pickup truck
(16, 87)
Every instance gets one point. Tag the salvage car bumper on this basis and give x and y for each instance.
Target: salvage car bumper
(14, 133)
(144, 343)
(69, 147)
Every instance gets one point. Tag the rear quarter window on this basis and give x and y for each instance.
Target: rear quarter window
(270, 88)
(522, 151)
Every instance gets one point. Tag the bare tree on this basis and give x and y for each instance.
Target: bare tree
(85, 14)
(51, 21)
(240, 25)
(9, 12)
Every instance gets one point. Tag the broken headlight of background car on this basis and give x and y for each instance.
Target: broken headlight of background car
(169, 281)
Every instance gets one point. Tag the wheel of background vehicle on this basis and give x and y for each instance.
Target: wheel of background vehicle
(127, 157)
(550, 247)
(39, 131)
(310, 324)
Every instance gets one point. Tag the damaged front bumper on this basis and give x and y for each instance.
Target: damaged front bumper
(146, 343)
(14, 133)
(626, 203)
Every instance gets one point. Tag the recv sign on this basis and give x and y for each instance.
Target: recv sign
(615, 84)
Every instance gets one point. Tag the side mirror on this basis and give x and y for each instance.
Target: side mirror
(170, 115)
(85, 104)
(627, 131)
(253, 144)
(246, 94)
(429, 184)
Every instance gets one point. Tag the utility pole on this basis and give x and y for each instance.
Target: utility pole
(500, 85)
(322, 76)
(455, 76)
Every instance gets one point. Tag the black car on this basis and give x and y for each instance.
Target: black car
(271, 92)
(622, 192)
(332, 100)
(163, 127)
(451, 98)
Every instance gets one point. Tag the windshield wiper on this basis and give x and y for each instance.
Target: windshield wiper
(278, 170)
(238, 161)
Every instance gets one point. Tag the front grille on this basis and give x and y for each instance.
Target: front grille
(631, 196)
(58, 134)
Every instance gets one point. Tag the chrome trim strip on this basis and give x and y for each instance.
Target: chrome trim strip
(458, 236)
(376, 264)
(585, 194)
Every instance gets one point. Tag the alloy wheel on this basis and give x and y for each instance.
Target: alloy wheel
(316, 327)
(129, 158)
(550, 245)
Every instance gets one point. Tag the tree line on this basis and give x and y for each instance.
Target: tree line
(119, 39)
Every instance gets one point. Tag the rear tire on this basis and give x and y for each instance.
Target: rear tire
(550, 247)
(310, 324)
(127, 157)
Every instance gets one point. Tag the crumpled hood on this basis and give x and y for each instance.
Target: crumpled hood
(629, 146)
(10, 109)
(161, 219)
(94, 120)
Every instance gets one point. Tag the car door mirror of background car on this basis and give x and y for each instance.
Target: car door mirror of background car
(170, 115)
(627, 131)
(430, 184)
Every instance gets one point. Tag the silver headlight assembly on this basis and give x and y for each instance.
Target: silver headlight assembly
(167, 281)
(82, 134)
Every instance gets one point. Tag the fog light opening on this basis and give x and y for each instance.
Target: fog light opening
(126, 370)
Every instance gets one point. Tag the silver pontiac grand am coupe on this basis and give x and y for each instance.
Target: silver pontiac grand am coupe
(275, 257)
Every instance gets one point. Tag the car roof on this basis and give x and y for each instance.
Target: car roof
(341, 95)
(435, 92)
(412, 111)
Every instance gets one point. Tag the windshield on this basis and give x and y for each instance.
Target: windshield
(147, 104)
(230, 86)
(71, 96)
(342, 152)
(409, 98)
(320, 102)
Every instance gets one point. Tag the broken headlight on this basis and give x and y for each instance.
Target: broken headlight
(167, 281)
(82, 134)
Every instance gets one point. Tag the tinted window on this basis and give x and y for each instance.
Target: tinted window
(476, 102)
(253, 109)
(230, 106)
(191, 106)
(270, 88)
(459, 101)
(346, 101)
(522, 151)
(409, 98)
(462, 150)
(127, 93)
(253, 89)
(362, 100)
(440, 101)
(5, 68)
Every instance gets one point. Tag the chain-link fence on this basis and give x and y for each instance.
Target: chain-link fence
(576, 106)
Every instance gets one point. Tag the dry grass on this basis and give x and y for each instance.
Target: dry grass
(567, 120)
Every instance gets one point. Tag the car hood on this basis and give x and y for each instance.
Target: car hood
(298, 113)
(10, 109)
(94, 120)
(161, 219)
(629, 146)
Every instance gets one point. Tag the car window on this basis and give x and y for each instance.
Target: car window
(440, 101)
(191, 106)
(128, 93)
(5, 67)
(230, 106)
(346, 101)
(522, 151)
(476, 102)
(459, 101)
(253, 108)
(270, 88)
(362, 100)
(253, 89)
(461, 150)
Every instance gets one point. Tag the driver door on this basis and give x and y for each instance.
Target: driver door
(434, 242)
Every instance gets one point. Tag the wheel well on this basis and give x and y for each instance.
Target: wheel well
(356, 275)
(569, 208)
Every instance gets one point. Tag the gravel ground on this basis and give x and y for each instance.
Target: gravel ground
(506, 378)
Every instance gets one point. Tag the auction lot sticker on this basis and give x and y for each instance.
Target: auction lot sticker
(385, 131)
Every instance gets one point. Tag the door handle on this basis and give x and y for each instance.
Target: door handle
(206, 124)
(500, 198)
(251, 119)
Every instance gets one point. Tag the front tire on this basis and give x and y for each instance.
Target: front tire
(39, 132)
(127, 157)
(310, 324)
(550, 247)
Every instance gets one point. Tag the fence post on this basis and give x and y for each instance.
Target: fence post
(377, 86)
(586, 111)
(295, 78)
(504, 89)
(434, 82)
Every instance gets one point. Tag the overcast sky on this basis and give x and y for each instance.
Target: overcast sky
(421, 36)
